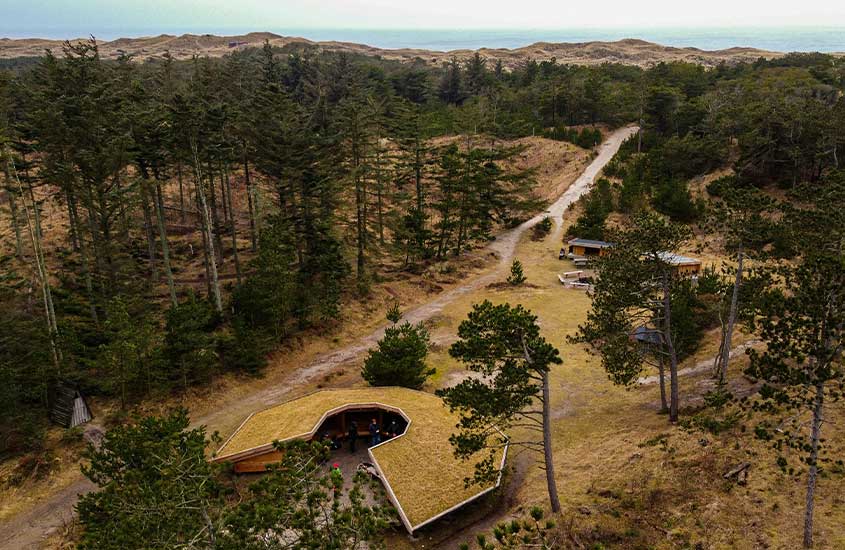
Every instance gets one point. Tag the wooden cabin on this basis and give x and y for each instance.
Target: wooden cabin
(587, 247)
(683, 266)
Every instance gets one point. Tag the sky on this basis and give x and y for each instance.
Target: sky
(67, 18)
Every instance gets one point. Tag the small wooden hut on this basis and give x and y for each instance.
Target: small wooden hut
(69, 407)
(587, 247)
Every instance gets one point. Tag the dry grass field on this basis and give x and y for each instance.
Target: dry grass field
(626, 477)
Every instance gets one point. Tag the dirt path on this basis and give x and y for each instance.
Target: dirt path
(29, 529)
(702, 366)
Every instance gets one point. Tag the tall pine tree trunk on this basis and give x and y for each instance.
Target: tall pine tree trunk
(664, 406)
(165, 247)
(670, 346)
(224, 198)
(232, 227)
(725, 351)
(33, 224)
(206, 216)
(253, 236)
(359, 225)
(818, 405)
(418, 167)
(181, 192)
(548, 456)
(379, 192)
(215, 219)
(148, 230)
(13, 211)
(73, 220)
(205, 263)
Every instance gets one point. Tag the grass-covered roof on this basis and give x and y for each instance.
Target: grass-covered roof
(423, 477)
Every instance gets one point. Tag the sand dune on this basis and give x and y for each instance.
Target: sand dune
(628, 51)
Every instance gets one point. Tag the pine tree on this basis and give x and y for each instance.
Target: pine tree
(399, 357)
(801, 318)
(633, 292)
(155, 488)
(504, 345)
(517, 277)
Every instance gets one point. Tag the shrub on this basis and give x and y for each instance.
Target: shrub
(399, 357)
(542, 229)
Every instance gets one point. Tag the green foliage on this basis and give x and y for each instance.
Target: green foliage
(638, 290)
(714, 424)
(265, 302)
(800, 315)
(128, 360)
(632, 285)
(598, 204)
(27, 373)
(530, 531)
(673, 199)
(689, 318)
(155, 488)
(801, 320)
(190, 342)
(399, 358)
(394, 314)
(477, 189)
(243, 350)
(542, 229)
(503, 344)
(306, 506)
(451, 85)
(517, 276)
(586, 137)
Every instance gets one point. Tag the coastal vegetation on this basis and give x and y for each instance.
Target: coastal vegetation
(171, 223)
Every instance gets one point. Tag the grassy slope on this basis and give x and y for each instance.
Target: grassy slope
(626, 477)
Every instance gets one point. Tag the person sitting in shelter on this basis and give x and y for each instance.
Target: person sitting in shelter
(392, 429)
(375, 433)
(353, 435)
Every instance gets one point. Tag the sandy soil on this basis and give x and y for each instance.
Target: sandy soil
(628, 51)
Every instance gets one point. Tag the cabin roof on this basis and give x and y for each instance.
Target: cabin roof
(423, 478)
(589, 243)
(647, 335)
(677, 259)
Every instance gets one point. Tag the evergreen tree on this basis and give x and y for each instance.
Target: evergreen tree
(504, 345)
(189, 341)
(399, 358)
(517, 277)
(155, 488)
(452, 85)
(300, 505)
(632, 295)
(801, 318)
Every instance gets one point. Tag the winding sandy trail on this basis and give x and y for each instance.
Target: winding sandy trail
(29, 529)
(504, 247)
(704, 365)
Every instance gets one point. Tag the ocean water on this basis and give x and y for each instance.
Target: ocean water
(784, 39)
